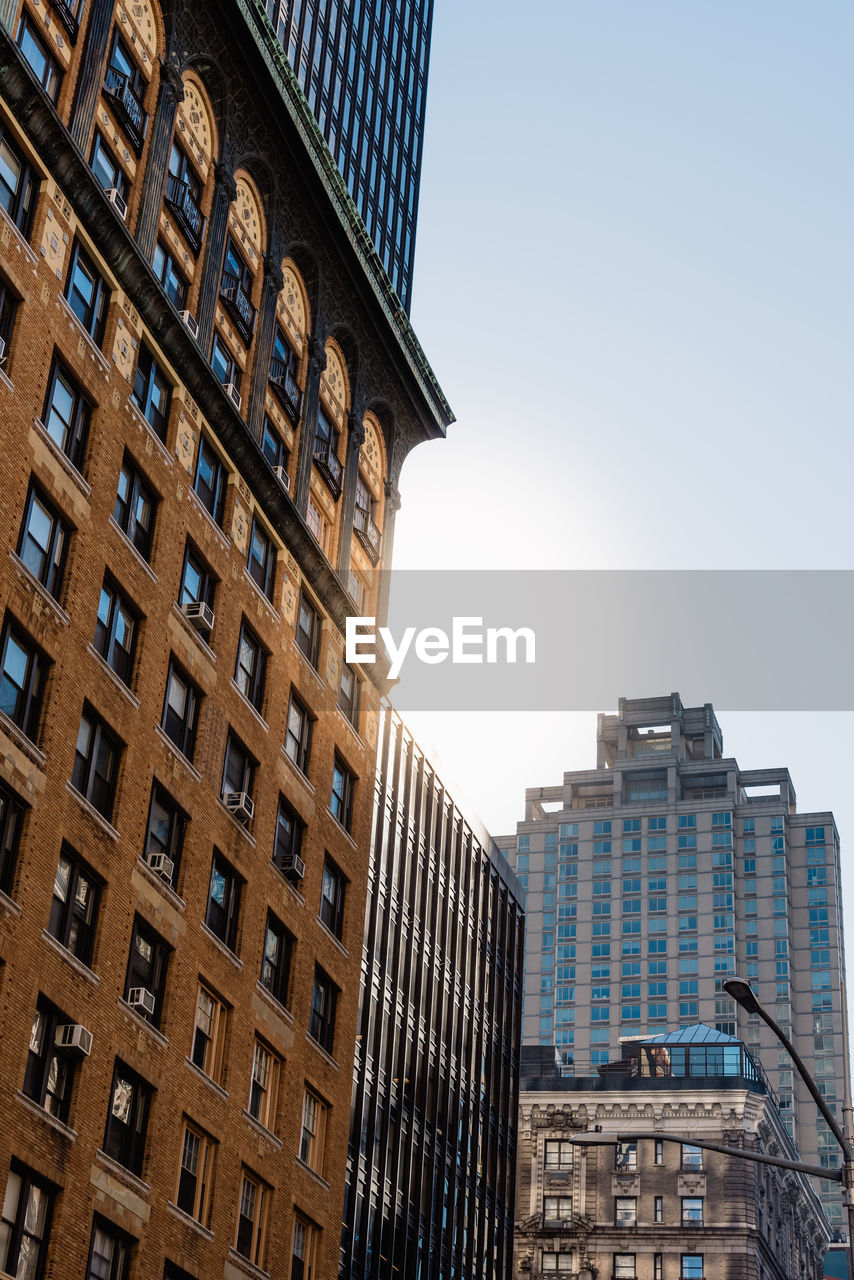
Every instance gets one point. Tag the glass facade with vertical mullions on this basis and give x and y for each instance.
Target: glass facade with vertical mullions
(362, 65)
(430, 1168)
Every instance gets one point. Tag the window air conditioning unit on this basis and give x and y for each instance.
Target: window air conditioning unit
(200, 614)
(293, 866)
(160, 864)
(283, 478)
(191, 322)
(141, 999)
(238, 803)
(115, 197)
(74, 1039)
(233, 395)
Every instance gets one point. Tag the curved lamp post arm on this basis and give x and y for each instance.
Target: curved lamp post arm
(611, 1139)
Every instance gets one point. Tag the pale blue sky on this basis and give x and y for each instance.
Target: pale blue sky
(634, 281)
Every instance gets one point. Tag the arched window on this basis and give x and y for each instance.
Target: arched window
(186, 197)
(239, 287)
(368, 511)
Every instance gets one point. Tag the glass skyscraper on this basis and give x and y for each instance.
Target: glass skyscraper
(653, 878)
(362, 65)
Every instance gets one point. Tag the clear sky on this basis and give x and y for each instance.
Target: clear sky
(634, 281)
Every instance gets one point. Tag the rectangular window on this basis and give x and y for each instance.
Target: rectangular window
(135, 507)
(145, 984)
(211, 480)
(87, 293)
(125, 85)
(323, 1004)
(283, 370)
(308, 629)
(183, 196)
(127, 1118)
(313, 1136)
(115, 630)
(251, 669)
(276, 961)
(252, 1219)
(152, 392)
(11, 818)
(559, 1263)
(341, 797)
(627, 1155)
(289, 832)
(164, 839)
(198, 586)
(96, 763)
(49, 1070)
(658, 1209)
(332, 894)
(298, 735)
(23, 671)
(74, 908)
(195, 1174)
(692, 1157)
(209, 1033)
(238, 774)
(224, 364)
(17, 185)
(692, 1211)
(109, 1252)
(557, 1208)
(173, 280)
(66, 414)
(25, 1223)
(558, 1155)
(264, 1087)
(180, 717)
(261, 559)
(45, 67)
(624, 1266)
(107, 169)
(692, 1266)
(304, 1252)
(43, 541)
(625, 1211)
(272, 446)
(223, 912)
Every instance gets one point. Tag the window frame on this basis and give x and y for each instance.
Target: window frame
(331, 910)
(12, 810)
(121, 182)
(207, 580)
(257, 1222)
(305, 1237)
(199, 1185)
(149, 378)
(228, 931)
(176, 825)
(342, 794)
(181, 727)
(300, 755)
(72, 928)
(563, 1150)
(690, 1157)
(309, 627)
(74, 432)
(20, 205)
(625, 1211)
(124, 1142)
(91, 313)
(689, 1211)
(28, 1182)
(26, 713)
(152, 974)
(118, 657)
(213, 497)
(210, 1026)
(313, 1127)
(49, 1071)
(119, 1260)
(290, 829)
(100, 733)
(237, 760)
(262, 568)
(126, 512)
(277, 970)
(349, 702)
(264, 1080)
(167, 272)
(324, 1005)
(251, 679)
(54, 553)
(51, 76)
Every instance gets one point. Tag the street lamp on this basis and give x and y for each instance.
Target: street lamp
(742, 993)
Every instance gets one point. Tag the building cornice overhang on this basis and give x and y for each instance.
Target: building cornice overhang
(118, 249)
(285, 95)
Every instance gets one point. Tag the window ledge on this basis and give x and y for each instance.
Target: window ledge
(262, 1130)
(306, 665)
(63, 460)
(271, 999)
(9, 905)
(141, 561)
(116, 679)
(301, 1164)
(94, 350)
(247, 1266)
(57, 1125)
(211, 1084)
(202, 509)
(165, 888)
(294, 892)
(336, 942)
(268, 603)
(124, 1175)
(143, 1023)
(189, 1221)
(141, 419)
(179, 755)
(220, 946)
(344, 832)
(77, 965)
(106, 827)
(244, 831)
(197, 635)
(22, 243)
(41, 591)
(320, 1049)
(254, 710)
(21, 741)
(297, 771)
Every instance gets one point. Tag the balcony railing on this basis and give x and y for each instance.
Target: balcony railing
(367, 533)
(328, 465)
(127, 105)
(285, 386)
(238, 305)
(187, 213)
(67, 14)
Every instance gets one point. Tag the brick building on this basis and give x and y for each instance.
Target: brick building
(207, 391)
(654, 1207)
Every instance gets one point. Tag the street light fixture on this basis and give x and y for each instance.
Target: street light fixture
(742, 993)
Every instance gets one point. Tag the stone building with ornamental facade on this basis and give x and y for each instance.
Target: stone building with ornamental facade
(207, 391)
